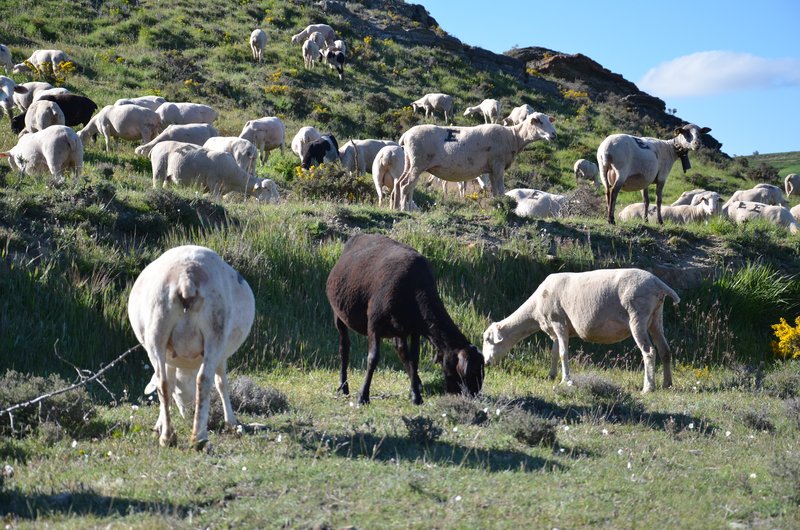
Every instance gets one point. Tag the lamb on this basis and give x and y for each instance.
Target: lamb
(193, 133)
(310, 53)
(191, 311)
(384, 289)
(185, 113)
(77, 109)
(129, 122)
(40, 59)
(23, 100)
(518, 115)
(304, 136)
(323, 149)
(55, 149)
(743, 211)
(706, 206)
(463, 153)
(335, 60)
(5, 58)
(489, 108)
(326, 30)
(265, 190)
(150, 102)
(41, 115)
(8, 89)
(266, 134)
(242, 150)
(792, 184)
(317, 38)
(586, 170)
(387, 168)
(258, 41)
(631, 163)
(537, 204)
(357, 156)
(431, 103)
(603, 306)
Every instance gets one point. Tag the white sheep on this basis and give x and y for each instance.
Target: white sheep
(318, 39)
(5, 58)
(537, 204)
(340, 46)
(463, 153)
(488, 108)
(191, 311)
(150, 102)
(302, 138)
(258, 41)
(795, 211)
(266, 133)
(688, 196)
(129, 122)
(586, 170)
(40, 59)
(193, 133)
(55, 149)
(763, 193)
(603, 306)
(357, 156)
(743, 211)
(8, 90)
(265, 190)
(310, 53)
(159, 158)
(704, 207)
(518, 114)
(632, 163)
(242, 150)
(185, 113)
(792, 184)
(39, 94)
(41, 115)
(23, 100)
(387, 169)
(326, 30)
(434, 102)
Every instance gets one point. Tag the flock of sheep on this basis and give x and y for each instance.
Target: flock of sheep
(191, 311)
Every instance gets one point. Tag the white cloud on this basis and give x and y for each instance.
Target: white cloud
(716, 72)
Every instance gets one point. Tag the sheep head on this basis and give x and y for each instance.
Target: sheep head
(538, 126)
(463, 372)
(688, 136)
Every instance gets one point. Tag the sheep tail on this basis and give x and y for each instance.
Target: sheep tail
(672, 294)
(187, 292)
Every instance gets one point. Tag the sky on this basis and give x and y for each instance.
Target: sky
(733, 66)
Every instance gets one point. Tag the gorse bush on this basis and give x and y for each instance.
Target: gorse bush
(788, 344)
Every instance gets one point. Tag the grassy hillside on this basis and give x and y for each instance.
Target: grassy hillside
(783, 163)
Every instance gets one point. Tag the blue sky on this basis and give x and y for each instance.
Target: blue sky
(733, 66)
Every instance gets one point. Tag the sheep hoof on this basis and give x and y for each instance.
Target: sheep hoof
(416, 399)
(201, 445)
(168, 440)
(363, 400)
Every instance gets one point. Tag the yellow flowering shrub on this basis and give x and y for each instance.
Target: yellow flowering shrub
(788, 344)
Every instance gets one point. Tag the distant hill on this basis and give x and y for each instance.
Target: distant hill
(784, 163)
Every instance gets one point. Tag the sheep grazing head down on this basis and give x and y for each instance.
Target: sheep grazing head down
(538, 126)
(494, 348)
(463, 373)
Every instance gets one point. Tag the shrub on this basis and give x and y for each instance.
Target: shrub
(784, 382)
(529, 428)
(788, 344)
(249, 398)
(422, 429)
(460, 409)
(758, 419)
(331, 182)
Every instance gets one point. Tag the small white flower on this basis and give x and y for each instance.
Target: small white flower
(458, 498)
(455, 429)
(497, 412)
(560, 449)
(134, 407)
(691, 426)
(109, 454)
(621, 452)
(486, 410)
(74, 444)
(752, 475)
(444, 414)
(244, 468)
(605, 432)
(630, 466)
(352, 404)
(566, 428)
(279, 438)
(727, 433)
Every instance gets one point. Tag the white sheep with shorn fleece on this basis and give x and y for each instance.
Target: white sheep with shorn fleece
(586, 171)
(763, 193)
(5, 58)
(434, 102)
(537, 204)
(702, 209)
(23, 100)
(387, 169)
(792, 184)
(303, 137)
(795, 211)
(128, 122)
(488, 108)
(632, 163)
(266, 133)
(463, 153)
(185, 113)
(743, 211)
(41, 115)
(518, 114)
(150, 102)
(191, 311)
(603, 306)
(241, 149)
(40, 58)
(310, 53)
(8, 94)
(258, 41)
(687, 197)
(193, 133)
(326, 30)
(55, 149)
(357, 156)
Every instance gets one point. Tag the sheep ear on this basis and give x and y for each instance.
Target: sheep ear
(552, 119)
(496, 338)
(678, 130)
(5, 155)
(705, 130)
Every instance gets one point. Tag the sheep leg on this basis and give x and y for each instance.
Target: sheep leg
(562, 338)
(659, 193)
(639, 332)
(657, 333)
(407, 184)
(646, 199)
(344, 355)
(410, 360)
(496, 174)
(157, 353)
(372, 363)
(203, 395)
(611, 199)
(221, 383)
(553, 361)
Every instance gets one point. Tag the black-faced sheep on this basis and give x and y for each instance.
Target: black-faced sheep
(384, 289)
(323, 149)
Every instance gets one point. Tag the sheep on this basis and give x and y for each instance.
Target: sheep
(159, 158)
(586, 170)
(326, 30)
(258, 41)
(795, 211)
(431, 103)
(55, 149)
(5, 58)
(49, 92)
(302, 138)
(479, 182)
(384, 289)
(743, 211)
(317, 38)
(8, 89)
(603, 306)
(340, 46)
(129, 122)
(489, 108)
(310, 53)
(185, 113)
(688, 196)
(387, 168)
(265, 190)
(150, 102)
(518, 114)
(536, 204)
(323, 149)
(463, 153)
(77, 109)
(41, 115)
(242, 150)
(706, 206)
(792, 184)
(193, 133)
(191, 311)
(357, 156)
(631, 163)
(266, 134)
(23, 100)
(335, 60)
(763, 193)
(40, 59)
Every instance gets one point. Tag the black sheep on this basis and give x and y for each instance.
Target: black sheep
(323, 149)
(77, 109)
(384, 289)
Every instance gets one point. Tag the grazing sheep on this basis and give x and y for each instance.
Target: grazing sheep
(129, 122)
(193, 133)
(463, 153)
(357, 156)
(688, 196)
(743, 211)
(23, 100)
(191, 311)
(49, 92)
(41, 58)
(384, 289)
(242, 150)
(304, 136)
(763, 193)
(489, 108)
(537, 204)
(265, 190)
(258, 41)
(5, 58)
(186, 113)
(159, 158)
(480, 183)
(326, 30)
(518, 115)
(792, 184)
(706, 206)
(339, 45)
(603, 306)
(335, 60)
(387, 169)
(266, 134)
(55, 149)
(8, 89)
(318, 39)
(586, 171)
(795, 211)
(310, 53)
(77, 109)
(631, 163)
(431, 103)
(150, 102)
(323, 149)
(41, 115)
